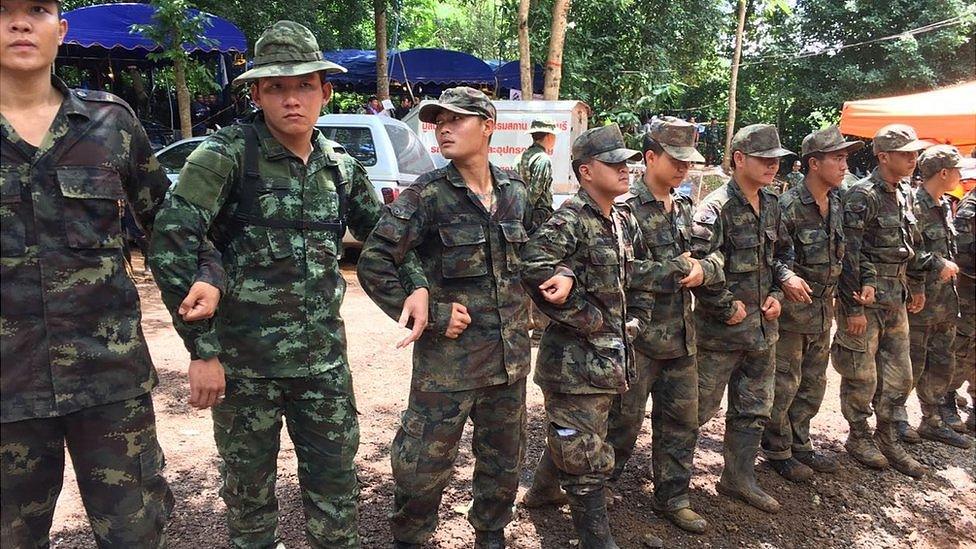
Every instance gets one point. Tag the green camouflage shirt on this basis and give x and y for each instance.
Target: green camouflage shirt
(535, 167)
(70, 321)
(818, 244)
(965, 224)
(664, 308)
(469, 256)
(280, 315)
(757, 256)
(937, 245)
(793, 179)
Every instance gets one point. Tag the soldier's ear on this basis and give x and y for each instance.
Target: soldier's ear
(326, 93)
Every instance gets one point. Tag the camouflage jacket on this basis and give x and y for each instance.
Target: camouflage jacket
(585, 349)
(535, 168)
(965, 224)
(280, 314)
(793, 179)
(818, 244)
(880, 232)
(936, 245)
(469, 256)
(757, 255)
(664, 308)
(70, 320)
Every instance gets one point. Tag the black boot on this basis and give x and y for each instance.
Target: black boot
(739, 474)
(589, 512)
(494, 539)
(950, 413)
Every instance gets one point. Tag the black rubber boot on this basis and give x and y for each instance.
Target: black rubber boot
(739, 474)
(589, 512)
(494, 539)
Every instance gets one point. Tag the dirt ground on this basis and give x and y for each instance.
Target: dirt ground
(853, 508)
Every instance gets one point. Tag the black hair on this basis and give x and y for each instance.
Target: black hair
(539, 136)
(651, 144)
(805, 161)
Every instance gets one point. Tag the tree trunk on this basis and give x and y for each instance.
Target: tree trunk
(730, 127)
(554, 65)
(183, 98)
(525, 59)
(382, 72)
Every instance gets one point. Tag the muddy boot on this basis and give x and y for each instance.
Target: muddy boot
(892, 449)
(589, 511)
(684, 518)
(933, 428)
(817, 461)
(791, 469)
(907, 433)
(862, 448)
(545, 488)
(494, 539)
(739, 474)
(950, 413)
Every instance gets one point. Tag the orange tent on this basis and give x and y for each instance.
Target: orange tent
(946, 115)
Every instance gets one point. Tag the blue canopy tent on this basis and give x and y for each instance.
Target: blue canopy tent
(424, 70)
(509, 77)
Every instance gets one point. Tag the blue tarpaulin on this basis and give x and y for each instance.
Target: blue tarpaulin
(420, 66)
(109, 26)
(509, 77)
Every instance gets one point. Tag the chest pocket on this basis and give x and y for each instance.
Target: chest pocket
(814, 245)
(661, 243)
(890, 233)
(92, 207)
(603, 270)
(515, 237)
(745, 253)
(464, 251)
(936, 240)
(13, 237)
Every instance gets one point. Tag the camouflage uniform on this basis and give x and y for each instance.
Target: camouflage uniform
(793, 179)
(76, 368)
(470, 256)
(278, 331)
(964, 347)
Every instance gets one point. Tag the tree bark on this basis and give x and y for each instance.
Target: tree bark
(554, 65)
(525, 59)
(182, 97)
(382, 72)
(730, 127)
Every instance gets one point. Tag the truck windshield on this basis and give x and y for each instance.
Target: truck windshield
(412, 158)
(357, 141)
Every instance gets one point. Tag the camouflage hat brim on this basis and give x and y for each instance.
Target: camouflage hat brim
(290, 69)
(850, 146)
(531, 131)
(912, 146)
(428, 113)
(685, 154)
(777, 152)
(617, 156)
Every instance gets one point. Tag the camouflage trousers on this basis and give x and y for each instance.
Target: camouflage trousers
(749, 376)
(933, 363)
(320, 413)
(875, 367)
(117, 461)
(801, 380)
(964, 351)
(576, 439)
(426, 446)
(674, 424)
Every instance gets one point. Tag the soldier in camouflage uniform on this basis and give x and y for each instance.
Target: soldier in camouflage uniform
(665, 350)
(934, 309)
(794, 178)
(467, 222)
(739, 223)
(813, 217)
(275, 196)
(76, 368)
(964, 347)
(585, 357)
(871, 345)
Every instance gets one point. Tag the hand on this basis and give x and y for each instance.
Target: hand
(459, 321)
(556, 289)
(206, 382)
(797, 290)
(200, 302)
(696, 276)
(866, 296)
(771, 308)
(415, 307)
(948, 271)
(916, 303)
(739, 315)
(857, 325)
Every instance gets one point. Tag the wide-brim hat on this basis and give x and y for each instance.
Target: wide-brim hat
(287, 49)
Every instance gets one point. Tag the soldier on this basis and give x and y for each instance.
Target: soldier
(871, 346)
(584, 357)
(275, 196)
(76, 368)
(467, 222)
(934, 308)
(964, 347)
(665, 350)
(813, 216)
(740, 223)
(794, 178)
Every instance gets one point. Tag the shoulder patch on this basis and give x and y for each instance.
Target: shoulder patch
(104, 97)
(427, 178)
(706, 216)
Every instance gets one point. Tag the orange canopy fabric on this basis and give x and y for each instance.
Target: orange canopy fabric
(946, 115)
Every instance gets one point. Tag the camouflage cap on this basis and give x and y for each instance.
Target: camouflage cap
(605, 144)
(462, 100)
(897, 137)
(542, 125)
(287, 49)
(828, 140)
(942, 157)
(760, 140)
(676, 137)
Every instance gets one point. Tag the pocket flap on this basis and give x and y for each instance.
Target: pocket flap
(514, 231)
(889, 221)
(462, 235)
(89, 182)
(9, 186)
(603, 256)
(744, 240)
(935, 233)
(809, 236)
